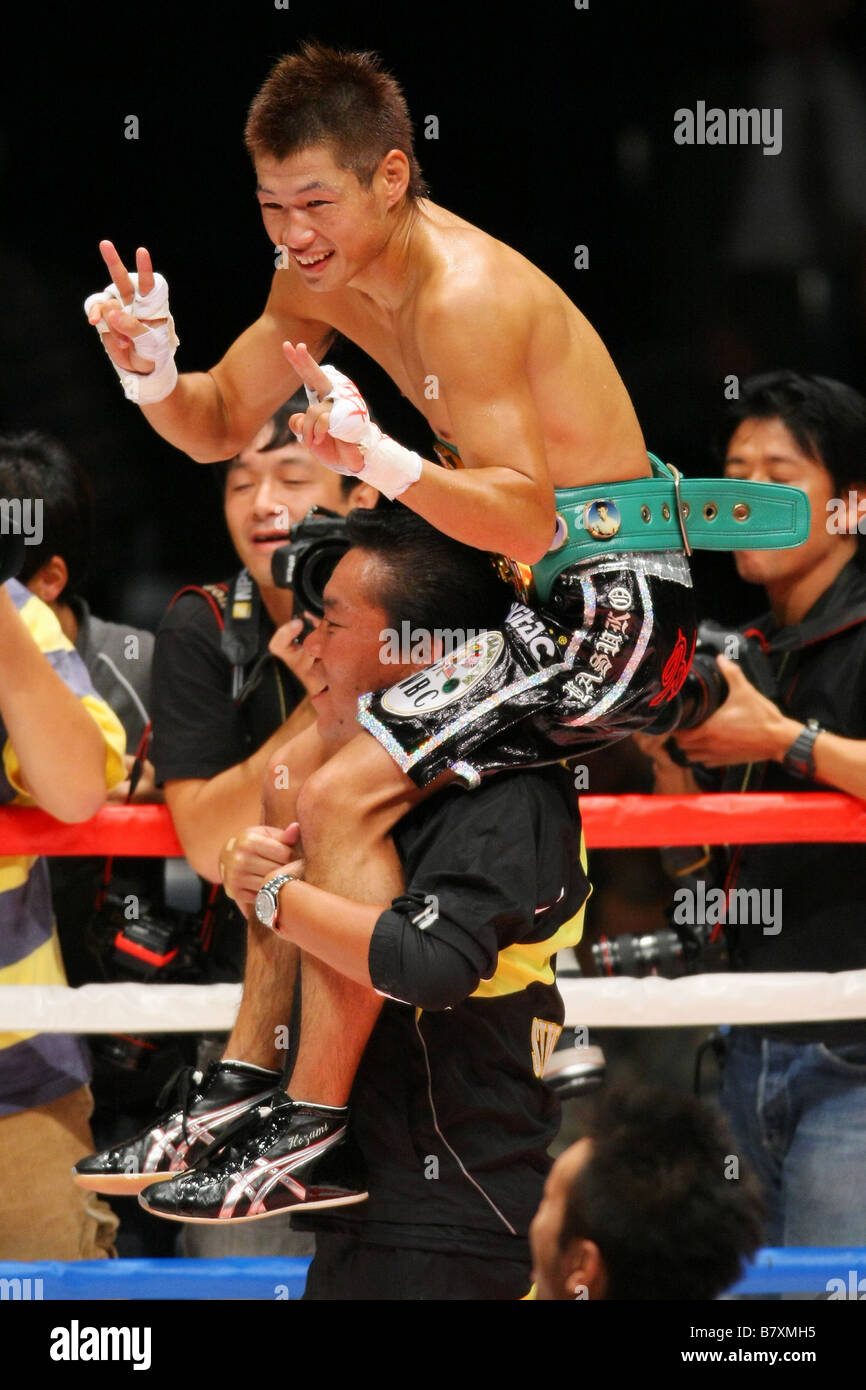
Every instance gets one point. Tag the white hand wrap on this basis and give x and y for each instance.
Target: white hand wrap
(157, 344)
(387, 465)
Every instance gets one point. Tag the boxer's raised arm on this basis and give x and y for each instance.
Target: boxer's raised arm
(503, 500)
(210, 415)
(249, 383)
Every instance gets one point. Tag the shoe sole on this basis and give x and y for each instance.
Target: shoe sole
(260, 1216)
(121, 1184)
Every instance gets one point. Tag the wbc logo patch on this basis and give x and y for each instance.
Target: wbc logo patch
(446, 680)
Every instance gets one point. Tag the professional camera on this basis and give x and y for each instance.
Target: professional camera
(666, 952)
(158, 943)
(307, 562)
(657, 953)
(168, 945)
(705, 688)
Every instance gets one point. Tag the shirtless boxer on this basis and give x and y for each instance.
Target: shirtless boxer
(535, 428)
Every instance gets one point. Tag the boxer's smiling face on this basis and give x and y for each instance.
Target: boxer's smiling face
(331, 226)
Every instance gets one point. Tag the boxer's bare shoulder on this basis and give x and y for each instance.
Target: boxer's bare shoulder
(471, 316)
(487, 305)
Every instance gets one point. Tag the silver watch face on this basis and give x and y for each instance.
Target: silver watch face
(266, 907)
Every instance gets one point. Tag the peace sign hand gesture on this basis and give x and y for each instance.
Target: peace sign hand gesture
(336, 427)
(133, 320)
(312, 427)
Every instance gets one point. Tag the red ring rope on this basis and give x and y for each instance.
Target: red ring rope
(610, 822)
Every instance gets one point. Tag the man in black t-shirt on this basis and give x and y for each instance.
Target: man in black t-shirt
(448, 1109)
(795, 1092)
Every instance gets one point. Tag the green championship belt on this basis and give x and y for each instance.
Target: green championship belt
(669, 512)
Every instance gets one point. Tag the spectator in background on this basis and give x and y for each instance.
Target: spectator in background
(117, 656)
(128, 1072)
(61, 749)
(646, 1206)
(795, 1093)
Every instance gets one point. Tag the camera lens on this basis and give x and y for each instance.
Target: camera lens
(315, 573)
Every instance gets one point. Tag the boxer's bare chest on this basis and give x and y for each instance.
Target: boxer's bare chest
(392, 342)
(579, 402)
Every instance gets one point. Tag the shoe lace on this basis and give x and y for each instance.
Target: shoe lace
(239, 1128)
(181, 1084)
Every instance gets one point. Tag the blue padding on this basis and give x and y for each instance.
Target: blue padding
(801, 1269)
(226, 1278)
(791, 1270)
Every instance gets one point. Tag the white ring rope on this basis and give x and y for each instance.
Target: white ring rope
(697, 1000)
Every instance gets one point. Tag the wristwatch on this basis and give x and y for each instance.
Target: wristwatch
(799, 758)
(268, 898)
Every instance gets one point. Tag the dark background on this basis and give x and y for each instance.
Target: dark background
(555, 129)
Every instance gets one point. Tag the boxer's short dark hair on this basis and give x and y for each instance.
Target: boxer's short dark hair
(347, 101)
(826, 418)
(427, 579)
(38, 466)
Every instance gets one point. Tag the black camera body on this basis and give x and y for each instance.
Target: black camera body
(705, 688)
(164, 945)
(168, 945)
(307, 561)
(667, 952)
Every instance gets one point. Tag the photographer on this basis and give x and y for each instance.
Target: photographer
(795, 1093)
(61, 749)
(223, 703)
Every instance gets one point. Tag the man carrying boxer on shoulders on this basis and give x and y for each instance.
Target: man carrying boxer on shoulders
(537, 433)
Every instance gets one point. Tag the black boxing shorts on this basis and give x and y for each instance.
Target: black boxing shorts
(600, 660)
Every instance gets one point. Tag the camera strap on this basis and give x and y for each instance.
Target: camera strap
(209, 915)
(241, 627)
(134, 778)
(237, 610)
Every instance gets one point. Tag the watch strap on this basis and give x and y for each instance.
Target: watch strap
(799, 759)
(272, 890)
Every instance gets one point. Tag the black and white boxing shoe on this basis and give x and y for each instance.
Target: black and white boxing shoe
(201, 1107)
(283, 1156)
